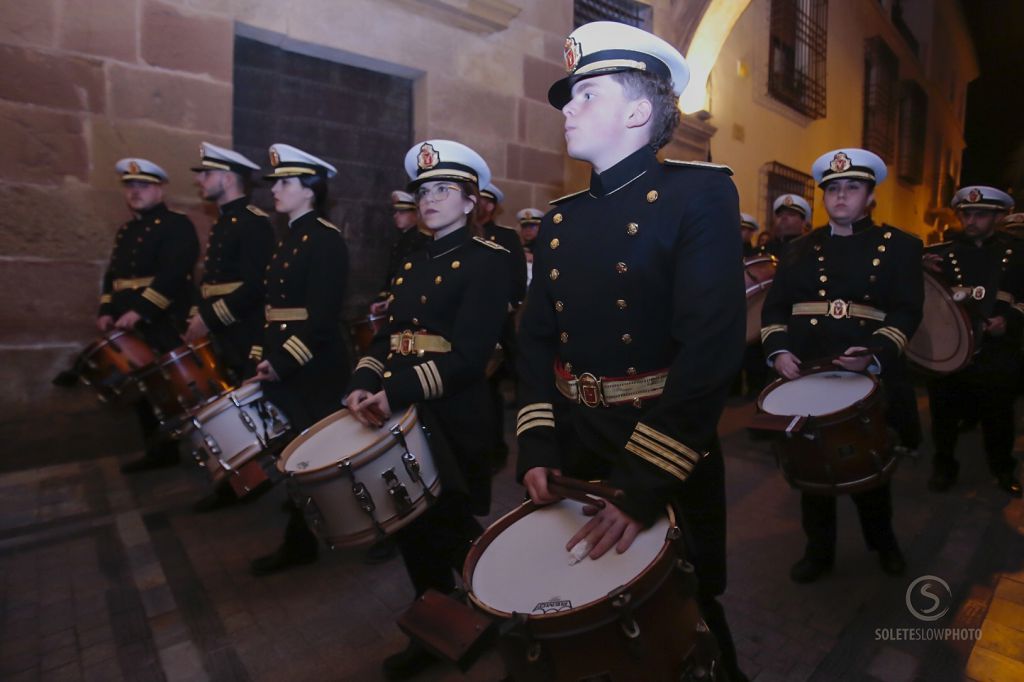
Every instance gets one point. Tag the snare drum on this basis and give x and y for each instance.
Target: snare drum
(605, 619)
(235, 436)
(758, 275)
(364, 329)
(836, 439)
(358, 484)
(944, 341)
(185, 378)
(109, 365)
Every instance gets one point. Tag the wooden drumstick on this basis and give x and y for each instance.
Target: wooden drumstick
(575, 489)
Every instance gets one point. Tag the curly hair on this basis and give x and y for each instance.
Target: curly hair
(664, 102)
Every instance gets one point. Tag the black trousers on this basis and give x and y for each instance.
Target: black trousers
(435, 545)
(901, 409)
(818, 514)
(156, 443)
(956, 397)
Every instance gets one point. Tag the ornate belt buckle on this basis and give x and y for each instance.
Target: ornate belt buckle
(838, 309)
(589, 390)
(978, 293)
(406, 342)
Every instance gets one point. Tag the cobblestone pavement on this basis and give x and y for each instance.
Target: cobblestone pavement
(106, 577)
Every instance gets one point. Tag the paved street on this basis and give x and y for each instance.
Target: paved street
(105, 577)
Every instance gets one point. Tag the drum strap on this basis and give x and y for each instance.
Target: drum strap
(221, 289)
(132, 283)
(839, 309)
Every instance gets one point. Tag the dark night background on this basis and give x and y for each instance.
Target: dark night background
(995, 101)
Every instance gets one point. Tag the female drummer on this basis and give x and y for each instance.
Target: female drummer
(302, 362)
(450, 301)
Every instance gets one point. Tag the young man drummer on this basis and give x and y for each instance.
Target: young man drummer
(986, 267)
(850, 289)
(792, 216)
(230, 304)
(635, 321)
(146, 287)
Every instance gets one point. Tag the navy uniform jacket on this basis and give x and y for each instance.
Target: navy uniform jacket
(404, 243)
(997, 265)
(455, 287)
(307, 273)
(150, 272)
(878, 266)
(237, 253)
(776, 246)
(640, 273)
(509, 238)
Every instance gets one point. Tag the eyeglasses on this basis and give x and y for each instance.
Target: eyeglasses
(436, 193)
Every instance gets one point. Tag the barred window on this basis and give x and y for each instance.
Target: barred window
(796, 60)
(881, 74)
(913, 125)
(623, 11)
(778, 179)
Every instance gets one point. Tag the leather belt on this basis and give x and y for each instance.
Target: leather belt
(222, 289)
(419, 343)
(132, 283)
(285, 314)
(593, 391)
(839, 309)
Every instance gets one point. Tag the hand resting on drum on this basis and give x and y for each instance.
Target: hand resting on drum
(197, 329)
(380, 307)
(610, 527)
(104, 323)
(787, 365)
(932, 261)
(995, 326)
(536, 482)
(369, 409)
(128, 320)
(854, 359)
(265, 372)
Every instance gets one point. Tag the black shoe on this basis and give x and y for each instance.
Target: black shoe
(940, 482)
(218, 499)
(892, 561)
(282, 559)
(1009, 483)
(149, 463)
(409, 662)
(808, 569)
(380, 552)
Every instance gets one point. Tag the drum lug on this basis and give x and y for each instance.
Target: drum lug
(412, 465)
(627, 621)
(363, 496)
(673, 533)
(398, 493)
(249, 424)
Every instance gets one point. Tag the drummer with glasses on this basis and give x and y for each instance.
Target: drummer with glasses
(985, 267)
(851, 290)
(450, 302)
(301, 359)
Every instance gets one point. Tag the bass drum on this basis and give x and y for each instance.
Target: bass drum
(758, 275)
(944, 342)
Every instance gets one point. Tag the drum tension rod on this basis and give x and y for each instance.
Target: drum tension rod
(411, 464)
(363, 497)
(398, 493)
(623, 603)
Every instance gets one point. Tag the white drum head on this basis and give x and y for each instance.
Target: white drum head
(333, 439)
(817, 394)
(526, 569)
(243, 394)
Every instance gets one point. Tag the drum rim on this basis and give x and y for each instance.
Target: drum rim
(828, 417)
(477, 549)
(183, 351)
(406, 423)
(209, 406)
(109, 337)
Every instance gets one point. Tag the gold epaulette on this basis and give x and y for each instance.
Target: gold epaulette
(328, 223)
(699, 164)
(494, 245)
(559, 200)
(256, 210)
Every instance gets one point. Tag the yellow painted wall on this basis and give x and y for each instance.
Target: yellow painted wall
(754, 129)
